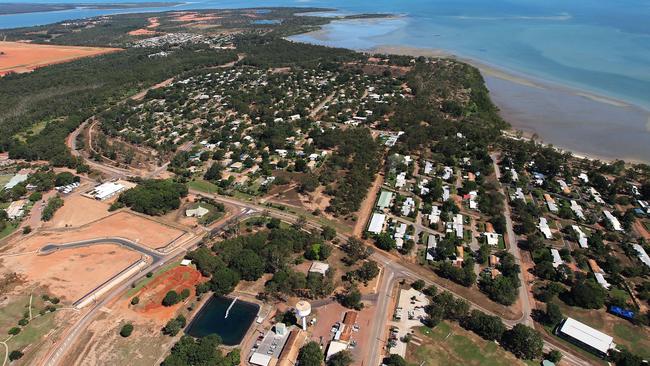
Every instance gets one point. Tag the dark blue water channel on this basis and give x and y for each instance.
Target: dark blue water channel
(211, 320)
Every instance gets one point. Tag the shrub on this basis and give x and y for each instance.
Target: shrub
(15, 355)
(171, 298)
(418, 285)
(14, 331)
(185, 294)
(126, 330)
(135, 300)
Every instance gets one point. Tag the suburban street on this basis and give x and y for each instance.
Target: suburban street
(524, 299)
(394, 270)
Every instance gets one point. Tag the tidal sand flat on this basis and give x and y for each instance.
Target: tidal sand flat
(573, 121)
(569, 118)
(581, 122)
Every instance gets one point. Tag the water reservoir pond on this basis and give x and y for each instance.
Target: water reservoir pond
(211, 319)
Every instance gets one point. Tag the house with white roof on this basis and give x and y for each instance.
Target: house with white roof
(596, 195)
(434, 216)
(15, 209)
(643, 256)
(447, 173)
(514, 175)
(445, 193)
(319, 267)
(428, 167)
(196, 212)
(400, 235)
(557, 259)
(472, 200)
(491, 238)
(15, 180)
(616, 225)
(431, 247)
(377, 223)
(106, 190)
(456, 226)
(400, 180)
(519, 194)
(582, 238)
(544, 228)
(422, 184)
(577, 210)
(583, 177)
(564, 186)
(550, 203)
(408, 206)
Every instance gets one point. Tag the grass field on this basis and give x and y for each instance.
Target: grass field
(10, 228)
(4, 179)
(31, 334)
(203, 186)
(634, 338)
(449, 344)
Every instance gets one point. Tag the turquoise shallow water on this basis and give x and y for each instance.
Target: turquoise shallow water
(601, 47)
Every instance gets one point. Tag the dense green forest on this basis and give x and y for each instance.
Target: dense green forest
(154, 197)
(352, 168)
(64, 95)
(249, 257)
(276, 52)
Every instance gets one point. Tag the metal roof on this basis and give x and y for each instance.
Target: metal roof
(587, 335)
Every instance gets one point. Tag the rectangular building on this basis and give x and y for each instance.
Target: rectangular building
(385, 199)
(377, 223)
(586, 336)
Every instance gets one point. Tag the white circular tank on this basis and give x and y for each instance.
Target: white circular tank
(303, 309)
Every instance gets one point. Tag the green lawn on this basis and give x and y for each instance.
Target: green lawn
(449, 344)
(634, 338)
(203, 186)
(32, 333)
(10, 228)
(4, 179)
(502, 243)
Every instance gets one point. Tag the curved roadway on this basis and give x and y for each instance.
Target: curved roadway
(155, 255)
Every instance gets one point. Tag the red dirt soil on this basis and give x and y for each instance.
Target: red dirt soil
(25, 57)
(153, 23)
(152, 294)
(194, 17)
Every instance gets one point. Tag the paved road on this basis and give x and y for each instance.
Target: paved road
(395, 271)
(60, 349)
(392, 272)
(524, 300)
(155, 255)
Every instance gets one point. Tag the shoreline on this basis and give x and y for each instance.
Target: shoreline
(585, 123)
(503, 73)
(524, 80)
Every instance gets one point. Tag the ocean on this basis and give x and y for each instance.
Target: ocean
(598, 50)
